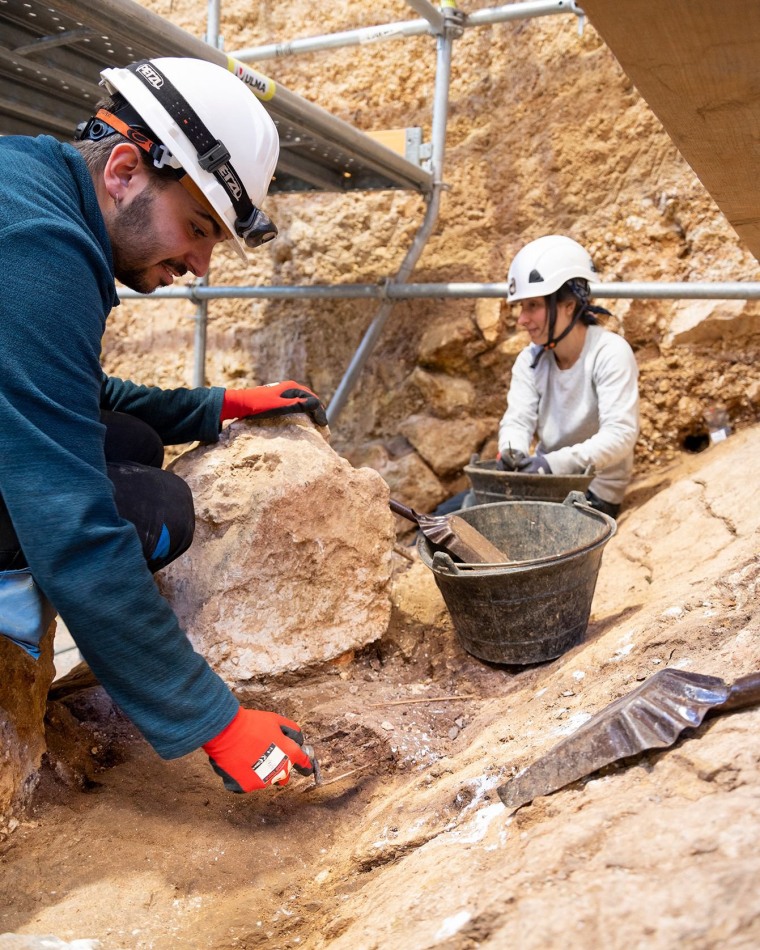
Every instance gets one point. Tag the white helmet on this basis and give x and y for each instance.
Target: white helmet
(544, 265)
(213, 127)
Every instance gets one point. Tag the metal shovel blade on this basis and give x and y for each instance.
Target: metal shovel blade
(453, 534)
(652, 716)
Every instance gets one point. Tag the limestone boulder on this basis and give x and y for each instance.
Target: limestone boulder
(512, 345)
(445, 395)
(416, 597)
(447, 444)
(709, 321)
(488, 317)
(291, 562)
(450, 345)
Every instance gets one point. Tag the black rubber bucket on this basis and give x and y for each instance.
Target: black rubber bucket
(537, 606)
(490, 485)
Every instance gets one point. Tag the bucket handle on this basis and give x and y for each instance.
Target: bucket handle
(443, 563)
(577, 499)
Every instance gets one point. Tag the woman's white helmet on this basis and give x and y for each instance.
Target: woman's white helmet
(233, 119)
(544, 265)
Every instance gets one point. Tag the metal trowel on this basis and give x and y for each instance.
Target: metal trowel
(319, 781)
(652, 716)
(454, 535)
(309, 750)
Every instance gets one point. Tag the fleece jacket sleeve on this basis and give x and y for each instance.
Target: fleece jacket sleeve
(177, 415)
(613, 376)
(56, 290)
(518, 424)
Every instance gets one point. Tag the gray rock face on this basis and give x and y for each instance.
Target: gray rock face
(291, 562)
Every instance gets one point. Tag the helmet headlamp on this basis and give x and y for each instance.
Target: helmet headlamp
(252, 226)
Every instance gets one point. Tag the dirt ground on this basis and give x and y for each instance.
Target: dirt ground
(413, 848)
(242, 877)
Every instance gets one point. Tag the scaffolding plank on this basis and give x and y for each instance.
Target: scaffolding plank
(52, 51)
(695, 62)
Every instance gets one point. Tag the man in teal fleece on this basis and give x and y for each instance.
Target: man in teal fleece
(177, 160)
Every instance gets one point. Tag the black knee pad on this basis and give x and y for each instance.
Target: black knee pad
(160, 506)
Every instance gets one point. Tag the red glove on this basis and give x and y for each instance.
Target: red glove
(276, 399)
(256, 750)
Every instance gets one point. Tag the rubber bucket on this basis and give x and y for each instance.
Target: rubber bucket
(490, 485)
(536, 606)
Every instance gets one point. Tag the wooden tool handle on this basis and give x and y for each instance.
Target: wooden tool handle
(743, 692)
(405, 512)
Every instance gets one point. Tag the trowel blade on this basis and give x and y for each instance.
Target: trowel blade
(651, 716)
(309, 750)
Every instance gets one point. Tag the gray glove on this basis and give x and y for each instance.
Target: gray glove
(534, 464)
(509, 461)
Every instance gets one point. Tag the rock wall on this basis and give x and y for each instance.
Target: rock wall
(545, 134)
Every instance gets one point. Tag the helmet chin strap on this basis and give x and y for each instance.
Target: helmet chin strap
(552, 341)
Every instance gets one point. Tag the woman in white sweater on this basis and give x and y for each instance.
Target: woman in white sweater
(574, 389)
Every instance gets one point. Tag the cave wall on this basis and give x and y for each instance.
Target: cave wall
(545, 134)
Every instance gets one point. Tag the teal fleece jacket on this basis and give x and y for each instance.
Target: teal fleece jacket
(56, 291)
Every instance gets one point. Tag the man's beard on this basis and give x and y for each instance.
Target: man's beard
(134, 246)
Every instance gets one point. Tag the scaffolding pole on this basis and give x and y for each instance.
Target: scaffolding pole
(404, 28)
(201, 309)
(624, 290)
(444, 44)
(432, 14)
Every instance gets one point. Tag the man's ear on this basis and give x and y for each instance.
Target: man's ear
(124, 172)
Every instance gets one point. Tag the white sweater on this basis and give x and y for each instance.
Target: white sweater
(585, 415)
